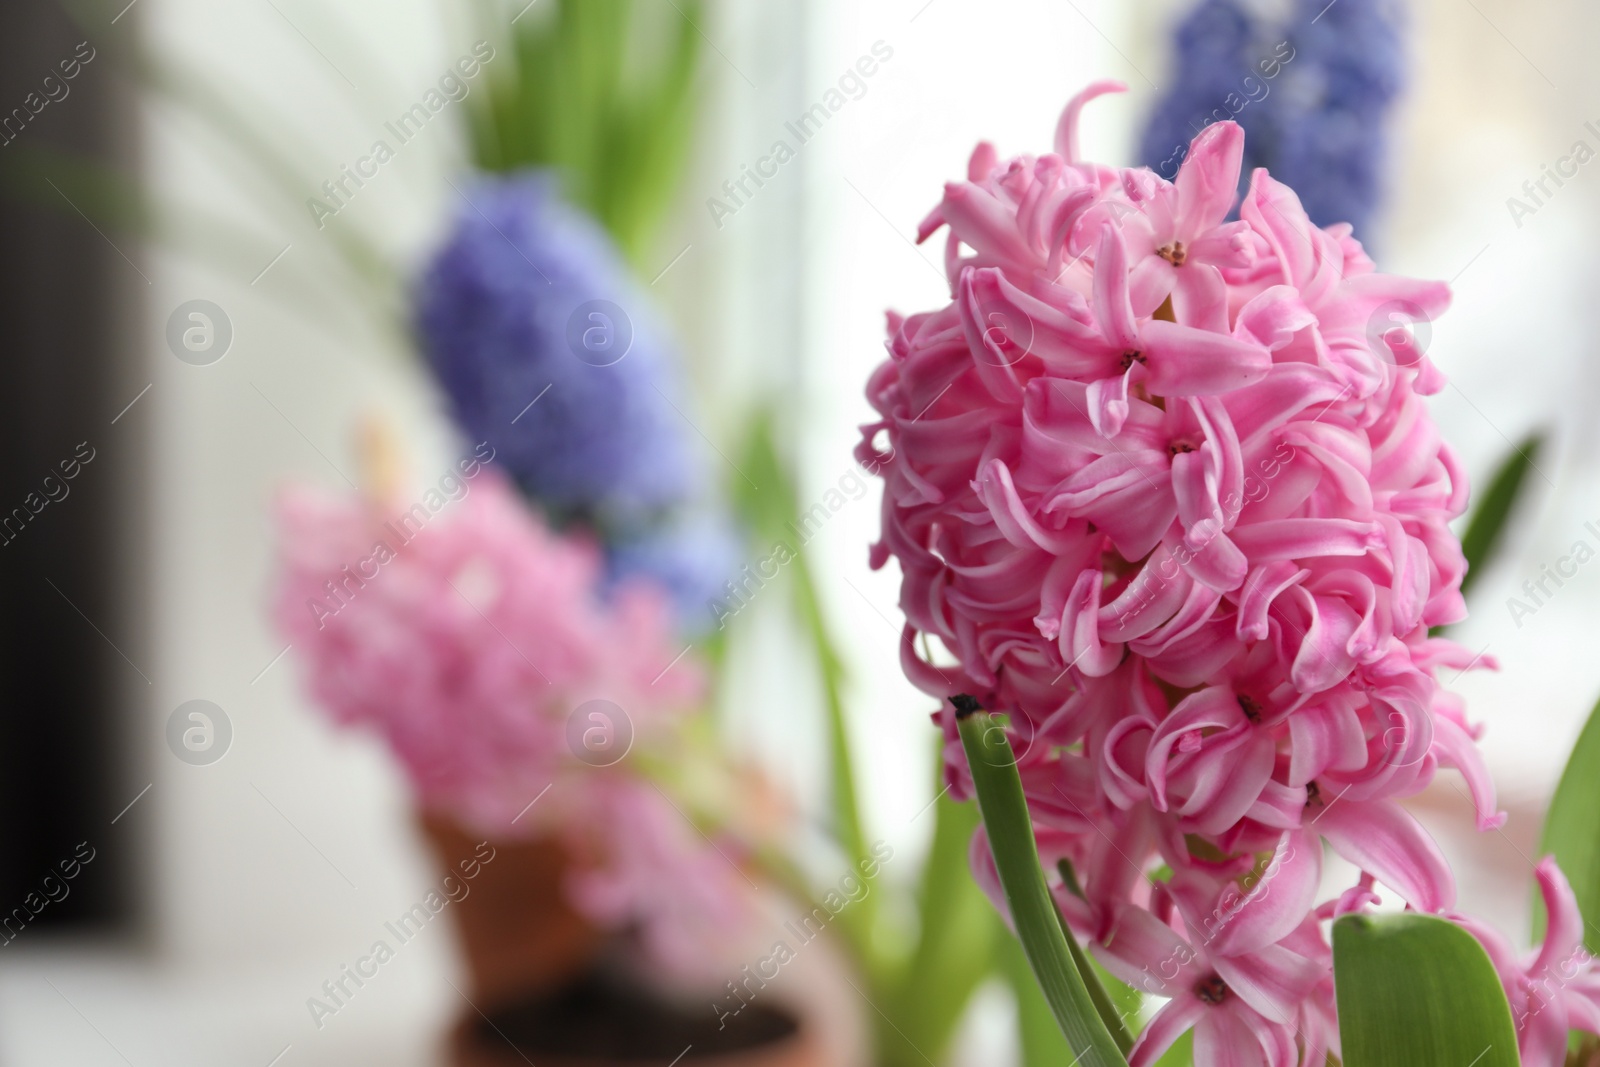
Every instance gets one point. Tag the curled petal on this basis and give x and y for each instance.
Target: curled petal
(1456, 749)
(1278, 902)
(1272, 317)
(1564, 929)
(1081, 643)
(1208, 180)
(1011, 516)
(1067, 126)
(1384, 840)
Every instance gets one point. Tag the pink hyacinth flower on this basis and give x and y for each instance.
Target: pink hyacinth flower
(1164, 492)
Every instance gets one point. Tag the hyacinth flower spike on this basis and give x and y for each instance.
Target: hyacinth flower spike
(1183, 524)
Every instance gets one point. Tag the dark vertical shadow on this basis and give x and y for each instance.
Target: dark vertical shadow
(64, 366)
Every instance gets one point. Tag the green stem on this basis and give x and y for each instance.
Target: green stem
(1016, 857)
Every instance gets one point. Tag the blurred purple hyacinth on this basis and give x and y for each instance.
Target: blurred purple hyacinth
(576, 397)
(1312, 94)
(1216, 47)
(1332, 108)
(503, 322)
(693, 557)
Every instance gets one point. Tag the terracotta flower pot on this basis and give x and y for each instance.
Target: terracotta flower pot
(545, 990)
(518, 934)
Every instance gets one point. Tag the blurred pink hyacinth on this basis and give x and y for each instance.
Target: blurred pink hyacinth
(481, 646)
(1164, 488)
(470, 643)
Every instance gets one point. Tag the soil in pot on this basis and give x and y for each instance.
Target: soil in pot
(604, 1017)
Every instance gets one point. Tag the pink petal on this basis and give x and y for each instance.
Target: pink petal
(1543, 1036)
(1233, 244)
(1324, 658)
(1112, 311)
(1218, 562)
(1169, 1024)
(1456, 748)
(1277, 903)
(1384, 840)
(1080, 636)
(1200, 299)
(1279, 806)
(1276, 213)
(1148, 601)
(1228, 785)
(1260, 590)
(1108, 403)
(1272, 317)
(1184, 361)
(1215, 708)
(1564, 929)
(1272, 980)
(1221, 1039)
(1127, 494)
(1120, 762)
(977, 217)
(1324, 737)
(994, 487)
(1067, 125)
(1306, 538)
(1277, 1041)
(1148, 954)
(1208, 180)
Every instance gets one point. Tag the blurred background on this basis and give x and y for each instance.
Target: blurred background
(221, 894)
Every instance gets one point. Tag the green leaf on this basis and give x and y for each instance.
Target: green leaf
(1572, 830)
(1486, 528)
(766, 498)
(1016, 858)
(602, 92)
(1418, 991)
